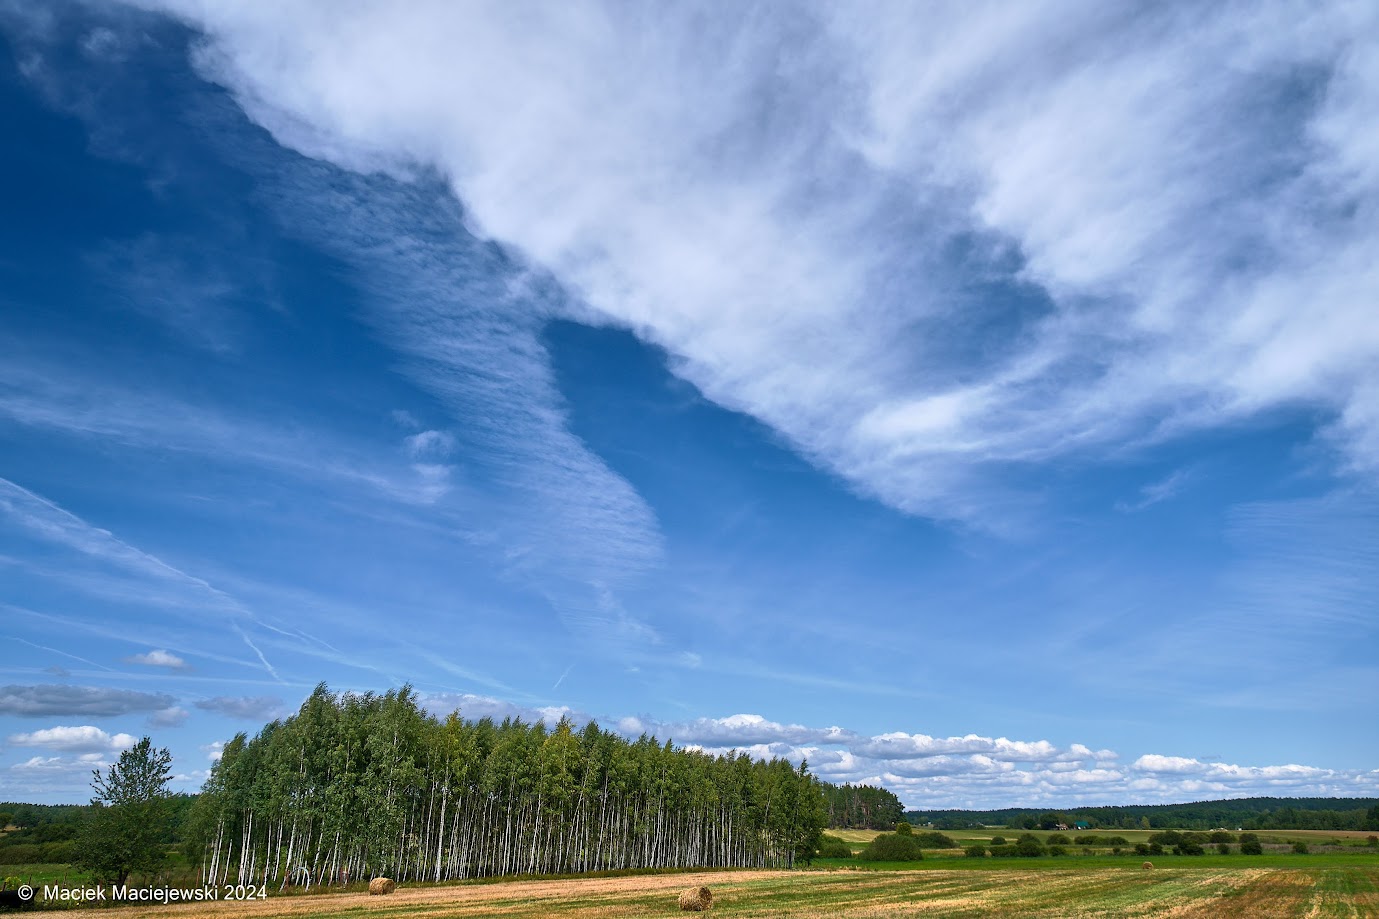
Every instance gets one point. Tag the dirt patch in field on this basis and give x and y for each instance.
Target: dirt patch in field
(1263, 894)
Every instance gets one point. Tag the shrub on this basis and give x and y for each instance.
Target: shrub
(21, 854)
(1189, 848)
(833, 847)
(1369, 840)
(1115, 850)
(1058, 839)
(1058, 850)
(935, 841)
(904, 828)
(1155, 849)
(1300, 848)
(1115, 841)
(1166, 838)
(1003, 851)
(1222, 836)
(975, 851)
(12, 883)
(1001, 840)
(1249, 837)
(1141, 848)
(1086, 841)
(60, 853)
(1251, 848)
(1223, 848)
(891, 847)
(1028, 846)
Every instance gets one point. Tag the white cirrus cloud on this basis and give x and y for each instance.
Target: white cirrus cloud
(430, 445)
(926, 244)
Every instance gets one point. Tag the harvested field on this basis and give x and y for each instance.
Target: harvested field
(1182, 893)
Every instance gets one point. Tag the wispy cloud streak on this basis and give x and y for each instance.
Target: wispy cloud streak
(797, 207)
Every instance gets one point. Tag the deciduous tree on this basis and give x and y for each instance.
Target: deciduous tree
(128, 832)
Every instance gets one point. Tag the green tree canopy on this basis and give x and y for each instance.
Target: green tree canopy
(128, 831)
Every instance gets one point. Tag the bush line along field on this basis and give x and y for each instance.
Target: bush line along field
(1318, 841)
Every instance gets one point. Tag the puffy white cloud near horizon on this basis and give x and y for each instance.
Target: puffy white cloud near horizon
(1175, 210)
(961, 772)
(981, 773)
(74, 739)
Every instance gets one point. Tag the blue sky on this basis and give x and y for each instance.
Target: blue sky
(984, 404)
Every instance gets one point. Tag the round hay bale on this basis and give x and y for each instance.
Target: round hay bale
(381, 886)
(696, 899)
(1147, 865)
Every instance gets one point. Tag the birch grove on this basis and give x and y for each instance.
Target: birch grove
(355, 786)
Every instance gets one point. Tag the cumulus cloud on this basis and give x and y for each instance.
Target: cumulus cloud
(899, 745)
(473, 707)
(158, 658)
(59, 767)
(246, 708)
(1152, 762)
(89, 701)
(80, 739)
(978, 772)
(55, 775)
(924, 244)
(741, 731)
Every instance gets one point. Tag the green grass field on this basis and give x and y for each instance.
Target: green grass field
(43, 873)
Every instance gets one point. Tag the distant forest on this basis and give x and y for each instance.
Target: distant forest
(1250, 813)
(47, 833)
(360, 785)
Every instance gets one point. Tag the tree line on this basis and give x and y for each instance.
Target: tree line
(359, 785)
(1257, 813)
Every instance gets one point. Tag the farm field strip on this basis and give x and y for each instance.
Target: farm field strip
(1182, 893)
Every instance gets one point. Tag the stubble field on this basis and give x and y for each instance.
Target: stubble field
(1331, 890)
